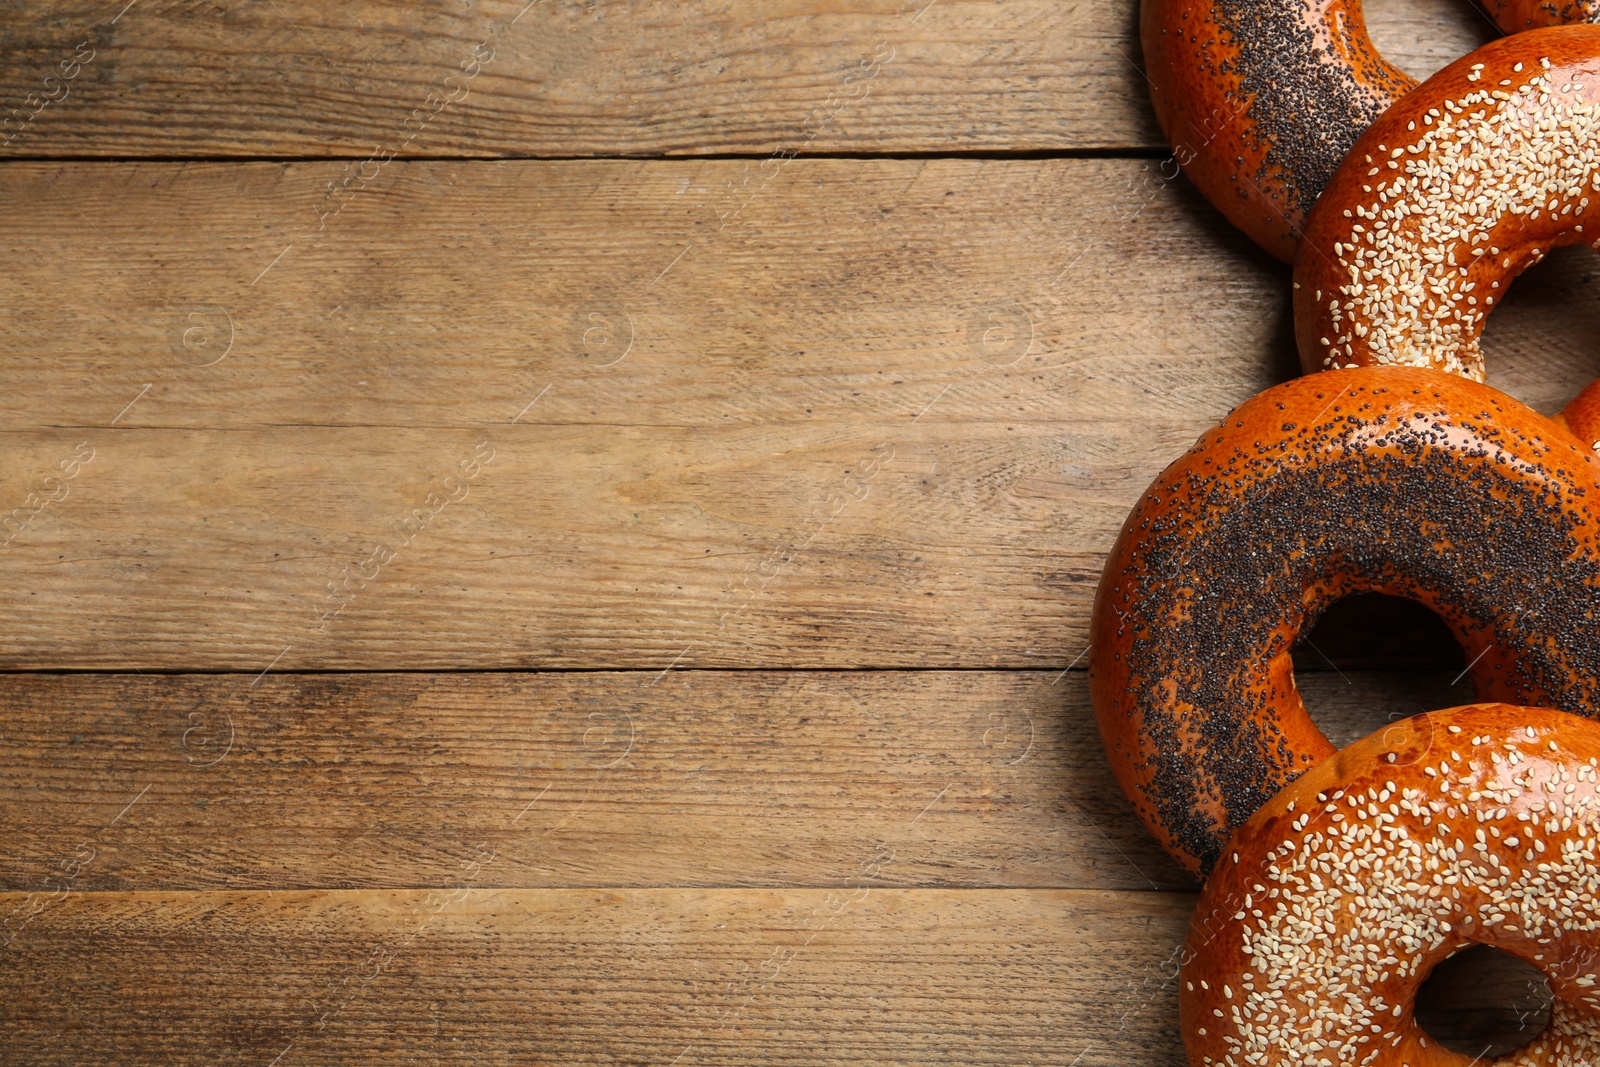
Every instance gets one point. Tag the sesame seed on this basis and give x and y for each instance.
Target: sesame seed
(1338, 916)
(1517, 157)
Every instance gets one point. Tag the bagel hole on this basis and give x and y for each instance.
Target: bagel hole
(1539, 345)
(1420, 36)
(1373, 659)
(1483, 1003)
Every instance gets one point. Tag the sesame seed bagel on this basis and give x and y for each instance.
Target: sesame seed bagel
(1474, 825)
(1456, 190)
(1390, 479)
(1261, 101)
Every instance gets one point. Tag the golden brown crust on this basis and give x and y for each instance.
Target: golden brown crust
(1261, 101)
(1582, 416)
(1513, 16)
(1473, 825)
(1398, 480)
(1456, 190)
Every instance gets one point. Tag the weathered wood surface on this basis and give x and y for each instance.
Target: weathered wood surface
(890, 415)
(851, 975)
(752, 413)
(560, 77)
(595, 779)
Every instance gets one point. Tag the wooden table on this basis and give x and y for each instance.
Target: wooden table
(565, 533)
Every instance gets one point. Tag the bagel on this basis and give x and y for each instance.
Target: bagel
(1455, 191)
(1389, 479)
(1473, 825)
(1581, 416)
(1261, 101)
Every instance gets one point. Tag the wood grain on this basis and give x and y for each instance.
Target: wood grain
(685, 976)
(595, 779)
(597, 976)
(711, 294)
(567, 78)
(883, 418)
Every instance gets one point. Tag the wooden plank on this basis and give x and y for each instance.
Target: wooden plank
(712, 294)
(605, 779)
(597, 976)
(891, 415)
(565, 78)
(684, 976)
(295, 78)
